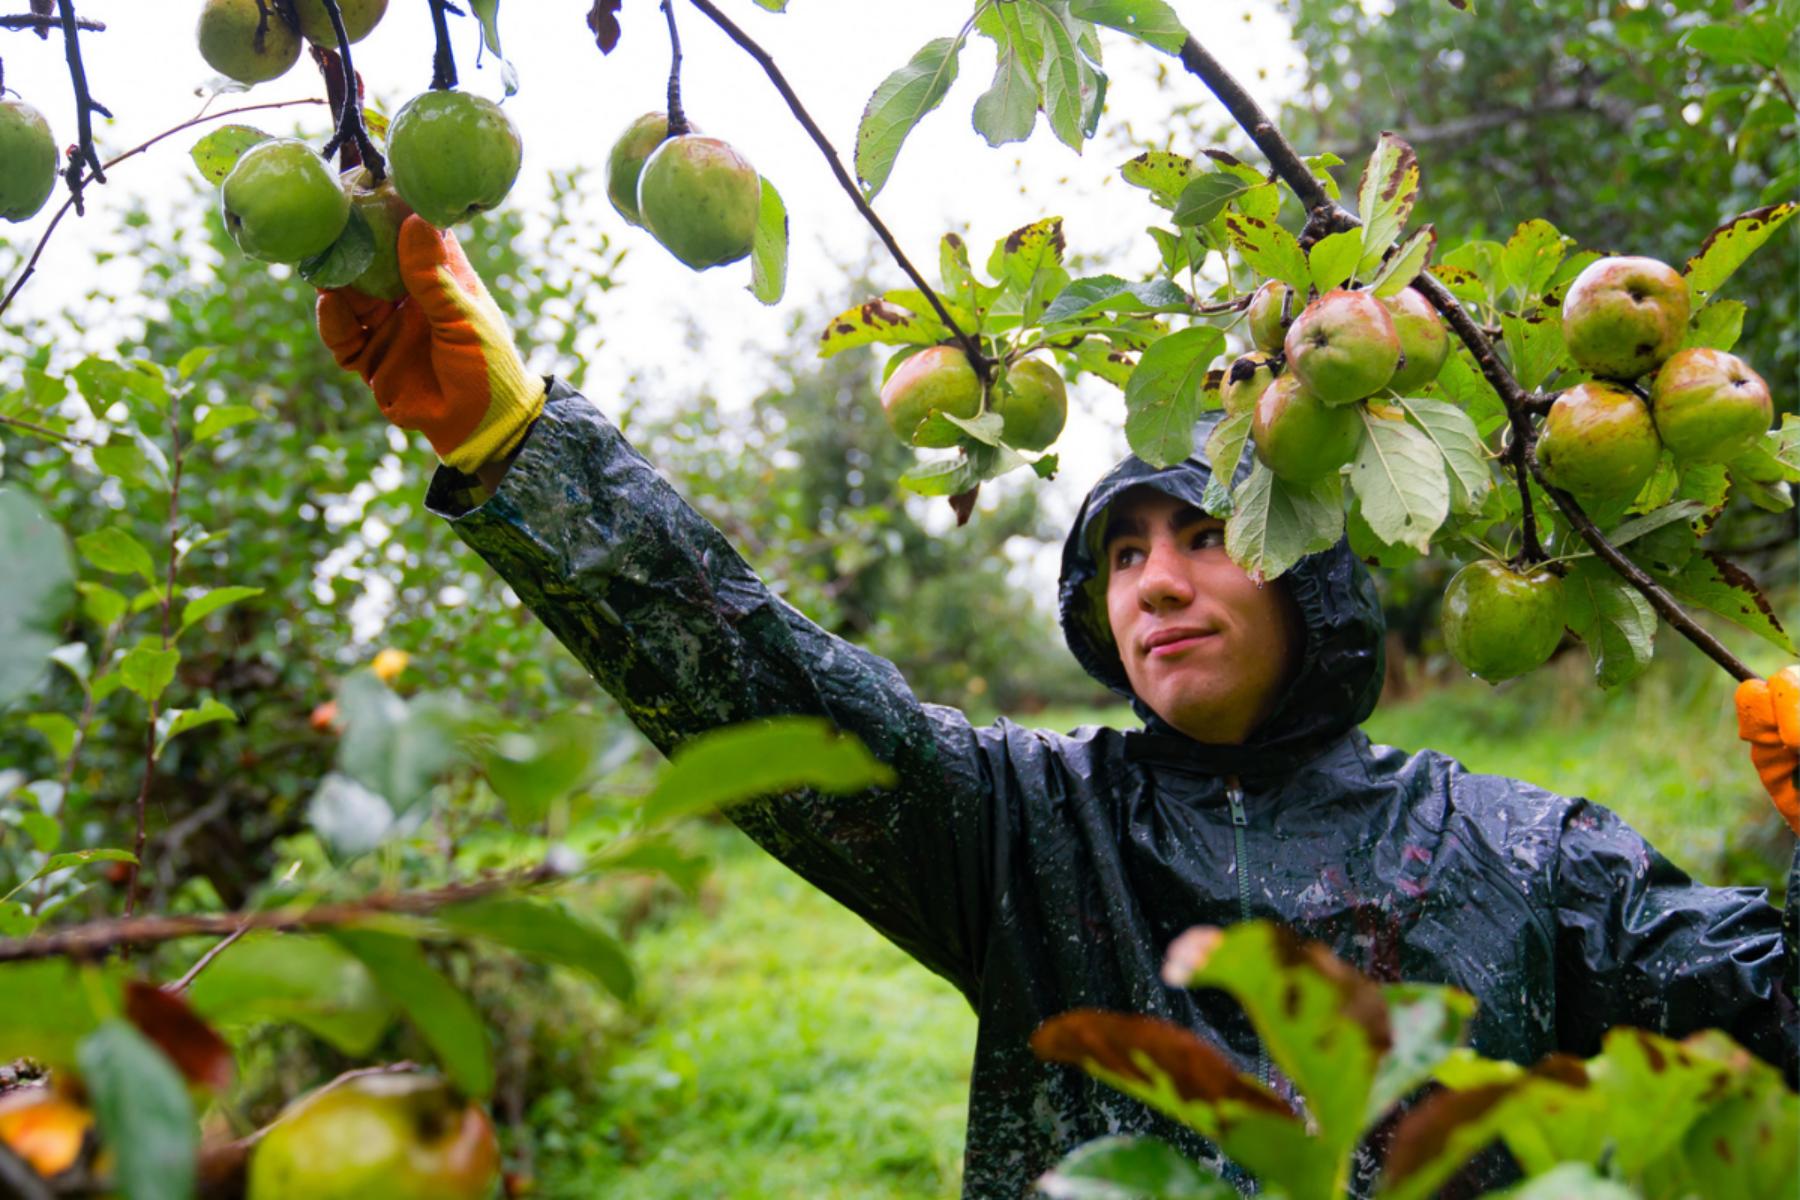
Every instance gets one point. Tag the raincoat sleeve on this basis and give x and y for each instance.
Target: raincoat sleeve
(1639, 943)
(652, 600)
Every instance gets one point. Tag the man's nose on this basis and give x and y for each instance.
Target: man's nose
(1163, 582)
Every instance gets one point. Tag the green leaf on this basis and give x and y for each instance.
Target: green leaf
(1725, 588)
(218, 152)
(141, 1104)
(1470, 390)
(1616, 623)
(1534, 343)
(1224, 450)
(115, 551)
(1206, 196)
(1459, 443)
(44, 831)
(1332, 259)
(546, 931)
(1109, 293)
(1269, 249)
(1570, 1181)
(1130, 1168)
(226, 416)
(1400, 481)
(1162, 173)
(73, 859)
(35, 593)
(488, 13)
(1007, 111)
(395, 747)
(1060, 73)
(56, 729)
(769, 250)
(1427, 1022)
(296, 979)
(1731, 244)
(172, 723)
(1274, 524)
(878, 322)
(148, 669)
(193, 360)
(104, 382)
(442, 1014)
(51, 1005)
(1404, 265)
(1531, 257)
(761, 758)
(898, 104)
(203, 606)
(102, 604)
(941, 477)
(1718, 326)
(1162, 397)
(534, 770)
(339, 264)
(1637, 527)
(1390, 185)
(1150, 21)
(15, 922)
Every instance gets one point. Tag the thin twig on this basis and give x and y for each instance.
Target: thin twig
(443, 59)
(43, 23)
(678, 124)
(181, 985)
(44, 432)
(971, 346)
(350, 121)
(1288, 164)
(85, 105)
(31, 264)
(99, 937)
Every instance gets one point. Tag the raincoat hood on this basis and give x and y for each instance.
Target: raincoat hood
(1341, 666)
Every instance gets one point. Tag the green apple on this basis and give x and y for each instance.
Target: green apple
(453, 155)
(360, 16)
(398, 1136)
(626, 162)
(1424, 342)
(384, 210)
(1709, 406)
(1246, 379)
(1268, 327)
(282, 203)
(1599, 441)
(1499, 622)
(27, 160)
(936, 379)
(700, 199)
(1343, 346)
(1298, 436)
(230, 46)
(1624, 315)
(1033, 406)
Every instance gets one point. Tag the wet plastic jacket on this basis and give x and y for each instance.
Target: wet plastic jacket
(1040, 872)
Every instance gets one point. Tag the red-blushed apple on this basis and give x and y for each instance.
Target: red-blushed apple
(936, 379)
(1343, 346)
(1598, 441)
(1624, 315)
(1424, 342)
(1499, 622)
(1299, 437)
(1709, 406)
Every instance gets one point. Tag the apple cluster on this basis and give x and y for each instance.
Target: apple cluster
(451, 155)
(27, 160)
(1342, 349)
(695, 194)
(1029, 398)
(1624, 320)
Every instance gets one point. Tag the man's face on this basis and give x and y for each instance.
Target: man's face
(1207, 649)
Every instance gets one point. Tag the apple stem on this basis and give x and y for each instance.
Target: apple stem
(678, 123)
(984, 365)
(1520, 404)
(350, 119)
(443, 58)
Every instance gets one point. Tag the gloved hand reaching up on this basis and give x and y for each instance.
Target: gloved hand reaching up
(1769, 719)
(440, 359)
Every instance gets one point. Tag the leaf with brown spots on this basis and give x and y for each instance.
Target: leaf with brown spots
(1722, 587)
(879, 322)
(1390, 185)
(1727, 247)
(1160, 172)
(1269, 249)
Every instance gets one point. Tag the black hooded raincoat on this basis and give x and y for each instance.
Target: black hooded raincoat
(1040, 872)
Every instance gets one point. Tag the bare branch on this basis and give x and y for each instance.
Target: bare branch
(350, 120)
(43, 24)
(443, 59)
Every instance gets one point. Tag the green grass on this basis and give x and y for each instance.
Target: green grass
(786, 1050)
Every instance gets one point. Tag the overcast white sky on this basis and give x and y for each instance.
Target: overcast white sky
(573, 101)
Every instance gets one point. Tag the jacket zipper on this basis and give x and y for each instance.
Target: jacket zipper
(1234, 794)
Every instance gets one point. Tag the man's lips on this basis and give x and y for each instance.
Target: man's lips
(1165, 642)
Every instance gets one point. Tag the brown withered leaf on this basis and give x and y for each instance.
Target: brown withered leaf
(1110, 1040)
(198, 1053)
(603, 20)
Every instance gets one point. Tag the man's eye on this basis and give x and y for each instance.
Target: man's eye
(1124, 556)
(1210, 537)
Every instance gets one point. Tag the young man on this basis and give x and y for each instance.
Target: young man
(1040, 872)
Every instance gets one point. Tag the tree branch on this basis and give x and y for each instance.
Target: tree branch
(350, 121)
(85, 105)
(31, 264)
(1519, 404)
(971, 346)
(97, 938)
(443, 59)
(44, 24)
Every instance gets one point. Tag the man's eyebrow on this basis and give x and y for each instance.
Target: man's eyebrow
(1131, 525)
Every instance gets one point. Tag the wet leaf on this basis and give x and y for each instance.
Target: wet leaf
(1612, 619)
(901, 100)
(1131, 1168)
(769, 251)
(218, 152)
(1274, 524)
(1162, 397)
(1730, 245)
(1400, 482)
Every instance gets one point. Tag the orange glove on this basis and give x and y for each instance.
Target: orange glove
(440, 359)
(1769, 719)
